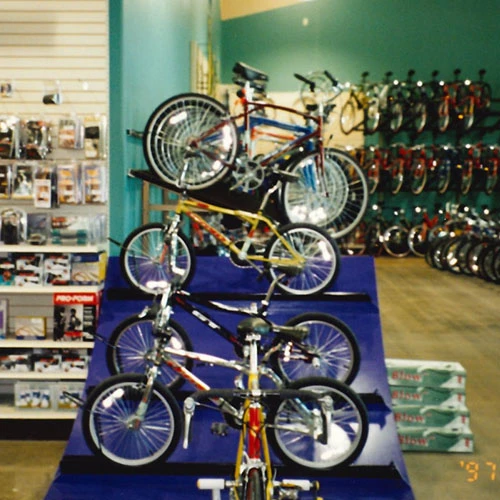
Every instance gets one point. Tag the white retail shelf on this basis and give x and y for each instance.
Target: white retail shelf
(36, 290)
(12, 413)
(43, 344)
(52, 248)
(14, 375)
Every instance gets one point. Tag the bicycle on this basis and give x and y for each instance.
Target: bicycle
(330, 349)
(158, 252)
(134, 420)
(192, 141)
(253, 473)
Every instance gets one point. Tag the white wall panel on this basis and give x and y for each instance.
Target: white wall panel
(47, 41)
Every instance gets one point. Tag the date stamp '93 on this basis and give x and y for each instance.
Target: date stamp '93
(479, 470)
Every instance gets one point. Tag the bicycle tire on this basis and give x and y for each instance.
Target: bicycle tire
(189, 140)
(348, 116)
(106, 422)
(418, 177)
(395, 116)
(333, 343)
(347, 434)
(443, 118)
(131, 342)
(443, 175)
(372, 116)
(254, 489)
(395, 241)
(144, 258)
(418, 244)
(397, 176)
(419, 120)
(321, 259)
(336, 200)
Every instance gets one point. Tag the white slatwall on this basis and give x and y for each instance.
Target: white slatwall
(48, 41)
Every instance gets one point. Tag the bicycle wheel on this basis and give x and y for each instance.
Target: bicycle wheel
(346, 433)
(417, 240)
(397, 176)
(190, 140)
(320, 254)
(418, 176)
(350, 116)
(372, 116)
(395, 116)
(132, 343)
(443, 175)
(111, 427)
(443, 111)
(419, 113)
(147, 261)
(330, 350)
(395, 241)
(335, 199)
(254, 487)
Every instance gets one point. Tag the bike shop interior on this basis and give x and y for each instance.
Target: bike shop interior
(121, 60)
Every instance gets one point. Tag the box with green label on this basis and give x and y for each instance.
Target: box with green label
(436, 439)
(445, 417)
(426, 396)
(449, 374)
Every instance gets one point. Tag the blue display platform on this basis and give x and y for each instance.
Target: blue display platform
(378, 473)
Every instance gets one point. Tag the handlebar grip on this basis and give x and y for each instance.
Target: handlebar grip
(312, 85)
(330, 77)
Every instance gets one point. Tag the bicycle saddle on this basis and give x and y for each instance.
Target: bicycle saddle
(249, 73)
(253, 325)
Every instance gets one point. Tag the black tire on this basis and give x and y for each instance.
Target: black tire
(144, 258)
(330, 341)
(132, 341)
(395, 241)
(107, 412)
(184, 132)
(300, 449)
(348, 116)
(321, 259)
(254, 486)
(335, 199)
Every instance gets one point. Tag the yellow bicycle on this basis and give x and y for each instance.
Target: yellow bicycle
(156, 253)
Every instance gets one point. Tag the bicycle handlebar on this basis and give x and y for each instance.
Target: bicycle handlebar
(312, 85)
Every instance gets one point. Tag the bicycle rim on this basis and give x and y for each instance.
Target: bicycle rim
(346, 433)
(190, 135)
(317, 197)
(320, 259)
(254, 486)
(331, 350)
(108, 416)
(418, 178)
(417, 242)
(372, 118)
(132, 345)
(395, 241)
(348, 117)
(147, 261)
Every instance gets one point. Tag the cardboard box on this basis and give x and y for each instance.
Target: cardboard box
(88, 268)
(416, 373)
(4, 318)
(426, 396)
(452, 416)
(436, 439)
(30, 327)
(35, 395)
(75, 315)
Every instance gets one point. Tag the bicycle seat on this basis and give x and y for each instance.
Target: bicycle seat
(249, 73)
(253, 325)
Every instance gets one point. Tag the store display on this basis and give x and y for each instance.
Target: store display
(30, 328)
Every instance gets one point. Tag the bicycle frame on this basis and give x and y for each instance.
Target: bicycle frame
(187, 206)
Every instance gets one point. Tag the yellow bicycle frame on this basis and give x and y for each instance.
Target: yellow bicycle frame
(188, 207)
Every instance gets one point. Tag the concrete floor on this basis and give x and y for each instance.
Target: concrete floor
(426, 314)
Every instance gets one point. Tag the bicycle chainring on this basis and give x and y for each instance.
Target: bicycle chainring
(236, 260)
(248, 175)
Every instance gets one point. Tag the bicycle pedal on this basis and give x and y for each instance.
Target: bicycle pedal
(219, 429)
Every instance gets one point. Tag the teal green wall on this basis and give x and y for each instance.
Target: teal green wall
(348, 37)
(149, 62)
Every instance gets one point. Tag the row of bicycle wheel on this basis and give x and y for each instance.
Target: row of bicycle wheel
(413, 105)
(441, 168)
(133, 418)
(467, 254)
